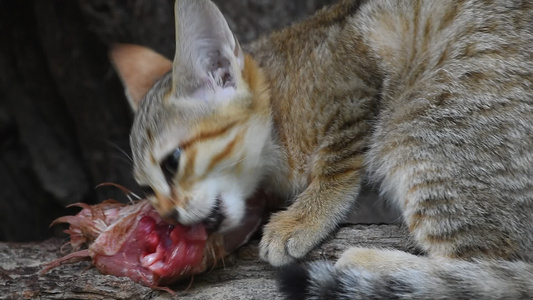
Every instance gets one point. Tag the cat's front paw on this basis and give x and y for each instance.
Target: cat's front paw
(289, 236)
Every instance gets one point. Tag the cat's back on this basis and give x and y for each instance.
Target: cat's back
(454, 136)
(424, 60)
(413, 40)
(453, 88)
(393, 45)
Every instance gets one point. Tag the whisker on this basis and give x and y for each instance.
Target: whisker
(130, 199)
(122, 159)
(126, 191)
(190, 283)
(214, 258)
(223, 263)
(233, 164)
(121, 150)
(62, 249)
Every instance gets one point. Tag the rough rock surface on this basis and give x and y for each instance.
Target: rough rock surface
(242, 277)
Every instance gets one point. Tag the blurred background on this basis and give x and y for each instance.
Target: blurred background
(64, 120)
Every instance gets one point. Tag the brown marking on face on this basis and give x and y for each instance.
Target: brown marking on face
(164, 205)
(255, 78)
(228, 150)
(150, 136)
(168, 93)
(188, 169)
(238, 166)
(208, 135)
(152, 158)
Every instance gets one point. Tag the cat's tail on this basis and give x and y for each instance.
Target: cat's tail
(443, 279)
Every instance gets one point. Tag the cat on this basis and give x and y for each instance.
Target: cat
(433, 100)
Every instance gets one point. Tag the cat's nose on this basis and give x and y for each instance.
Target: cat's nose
(171, 217)
(166, 208)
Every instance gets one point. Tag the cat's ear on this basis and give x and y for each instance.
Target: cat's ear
(208, 59)
(139, 68)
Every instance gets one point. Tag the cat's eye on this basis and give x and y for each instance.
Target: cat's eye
(171, 163)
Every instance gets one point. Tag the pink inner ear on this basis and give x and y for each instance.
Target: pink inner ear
(139, 68)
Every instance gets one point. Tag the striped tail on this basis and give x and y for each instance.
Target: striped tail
(442, 279)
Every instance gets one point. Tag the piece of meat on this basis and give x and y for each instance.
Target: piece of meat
(134, 241)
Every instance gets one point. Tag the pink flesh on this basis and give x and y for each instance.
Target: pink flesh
(134, 241)
(156, 252)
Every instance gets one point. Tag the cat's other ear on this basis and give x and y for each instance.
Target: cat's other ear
(208, 56)
(139, 68)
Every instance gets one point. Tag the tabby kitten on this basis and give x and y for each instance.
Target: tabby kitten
(431, 99)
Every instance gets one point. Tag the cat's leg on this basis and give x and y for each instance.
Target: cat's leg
(459, 202)
(334, 180)
(461, 172)
(459, 180)
(316, 212)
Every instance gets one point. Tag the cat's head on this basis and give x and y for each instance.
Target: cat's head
(202, 121)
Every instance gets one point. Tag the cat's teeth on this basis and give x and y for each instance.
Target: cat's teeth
(215, 218)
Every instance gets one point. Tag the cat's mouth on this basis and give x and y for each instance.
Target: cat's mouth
(237, 236)
(216, 217)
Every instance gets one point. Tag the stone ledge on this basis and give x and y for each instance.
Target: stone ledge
(244, 276)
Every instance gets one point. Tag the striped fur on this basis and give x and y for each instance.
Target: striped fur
(433, 99)
(420, 278)
(451, 145)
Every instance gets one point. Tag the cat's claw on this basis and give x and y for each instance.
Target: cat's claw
(288, 237)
